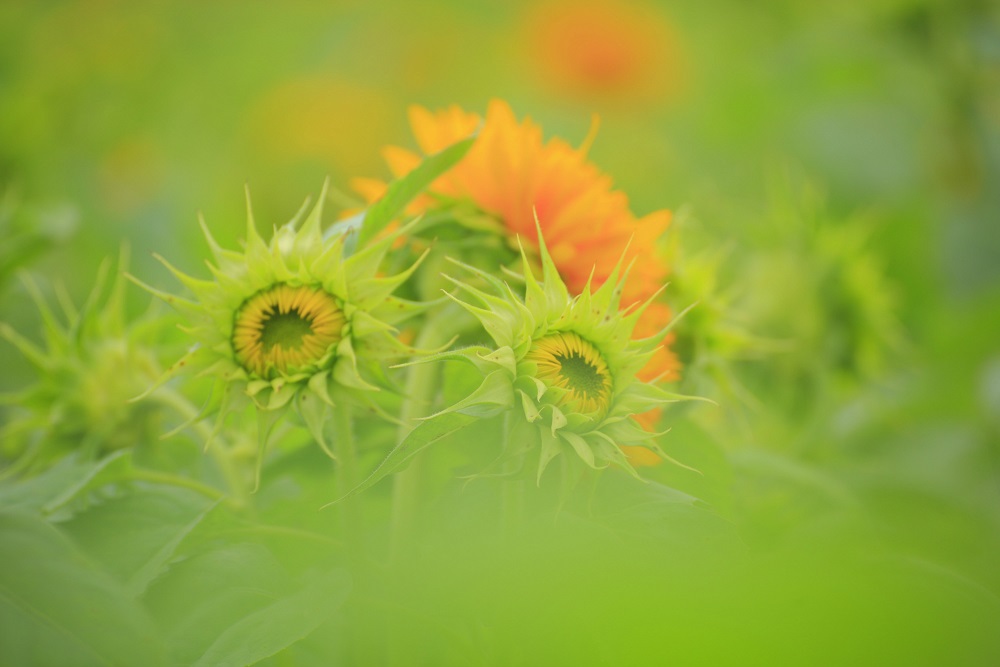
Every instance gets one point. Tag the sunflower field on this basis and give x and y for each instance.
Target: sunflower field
(549, 333)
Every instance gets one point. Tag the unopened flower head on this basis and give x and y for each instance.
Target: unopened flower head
(91, 366)
(567, 364)
(293, 320)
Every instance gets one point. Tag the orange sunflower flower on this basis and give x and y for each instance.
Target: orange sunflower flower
(512, 173)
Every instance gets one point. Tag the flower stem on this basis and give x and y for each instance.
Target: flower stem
(420, 389)
(512, 494)
(157, 477)
(346, 475)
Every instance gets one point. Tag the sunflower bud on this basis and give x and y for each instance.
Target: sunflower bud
(295, 321)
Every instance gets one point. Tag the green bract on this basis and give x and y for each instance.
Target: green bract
(293, 322)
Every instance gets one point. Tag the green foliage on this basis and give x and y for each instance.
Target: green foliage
(59, 608)
(840, 504)
(424, 435)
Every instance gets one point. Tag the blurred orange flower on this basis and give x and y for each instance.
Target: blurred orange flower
(602, 49)
(512, 173)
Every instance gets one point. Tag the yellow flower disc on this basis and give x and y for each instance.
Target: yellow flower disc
(567, 361)
(284, 329)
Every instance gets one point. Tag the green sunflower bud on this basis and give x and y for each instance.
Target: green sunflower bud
(92, 365)
(297, 322)
(564, 367)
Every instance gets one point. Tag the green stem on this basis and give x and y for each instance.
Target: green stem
(285, 532)
(512, 494)
(346, 478)
(346, 475)
(157, 477)
(420, 389)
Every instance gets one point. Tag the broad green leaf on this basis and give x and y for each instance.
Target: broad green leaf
(110, 469)
(56, 608)
(266, 631)
(34, 493)
(401, 192)
(199, 597)
(136, 534)
(236, 604)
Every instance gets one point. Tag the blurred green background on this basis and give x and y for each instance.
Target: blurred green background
(835, 169)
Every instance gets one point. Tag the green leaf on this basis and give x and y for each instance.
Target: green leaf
(401, 192)
(56, 608)
(205, 593)
(135, 535)
(236, 603)
(110, 469)
(34, 493)
(550, 448)
(426, 434)
(270, 629)
(491, 397)
(581, 447)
